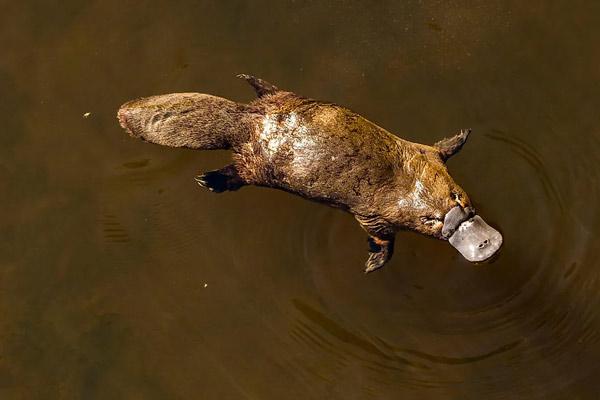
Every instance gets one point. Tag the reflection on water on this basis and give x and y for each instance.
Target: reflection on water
(529, 154)
(121, 278)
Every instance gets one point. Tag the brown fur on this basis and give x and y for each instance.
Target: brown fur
(320, 151)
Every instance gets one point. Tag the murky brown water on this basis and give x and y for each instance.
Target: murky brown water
(121, 279)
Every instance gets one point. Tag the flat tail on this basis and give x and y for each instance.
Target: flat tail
(193, 120)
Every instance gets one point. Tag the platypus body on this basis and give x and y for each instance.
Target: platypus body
(323, 152)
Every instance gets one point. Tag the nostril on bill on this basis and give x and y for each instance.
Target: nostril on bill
(476, 240)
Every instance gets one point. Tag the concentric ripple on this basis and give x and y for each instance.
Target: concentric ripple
(431, 320)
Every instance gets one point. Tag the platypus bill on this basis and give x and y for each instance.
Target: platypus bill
(323, 152)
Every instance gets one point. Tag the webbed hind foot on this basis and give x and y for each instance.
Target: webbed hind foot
(221, 180)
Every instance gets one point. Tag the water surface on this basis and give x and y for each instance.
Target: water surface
(121, 278)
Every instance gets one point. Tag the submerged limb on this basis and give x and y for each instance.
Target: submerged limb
(381, 240)
(380, 252)
(221, 180)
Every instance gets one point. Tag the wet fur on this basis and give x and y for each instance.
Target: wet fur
(320, 151)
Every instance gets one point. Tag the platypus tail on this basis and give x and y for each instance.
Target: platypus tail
(194, 120)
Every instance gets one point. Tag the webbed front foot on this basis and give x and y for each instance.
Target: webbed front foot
(380, 252)
(261, 87)
(450, 146)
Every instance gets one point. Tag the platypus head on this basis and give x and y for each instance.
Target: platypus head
(433, 204)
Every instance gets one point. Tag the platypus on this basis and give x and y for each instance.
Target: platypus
(326, 153)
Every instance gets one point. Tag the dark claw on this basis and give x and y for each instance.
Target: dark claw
(220, 180)
(200, 181)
